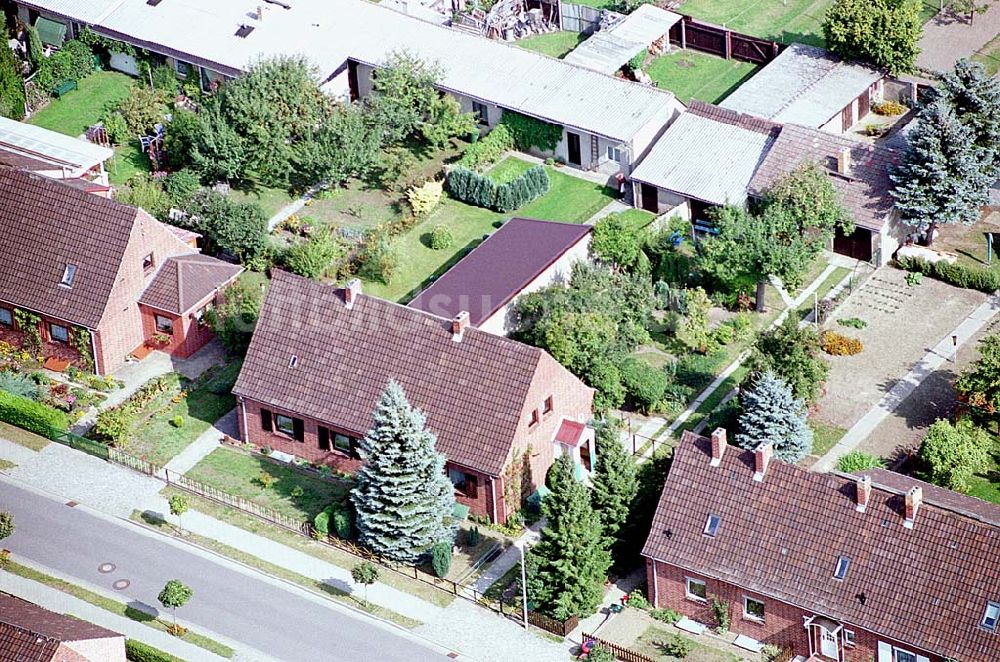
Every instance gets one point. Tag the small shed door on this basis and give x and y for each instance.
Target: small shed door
(864, 104)
(847, 117)
(573, 146)
(649, 198)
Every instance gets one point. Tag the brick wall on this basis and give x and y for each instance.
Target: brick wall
(783, 623)
(188, 335)
(121, 329)
(15, 337)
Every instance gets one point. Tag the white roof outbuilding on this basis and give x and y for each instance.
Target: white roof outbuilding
(41, 149)
(608, 50)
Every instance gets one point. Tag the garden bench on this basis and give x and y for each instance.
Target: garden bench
(64, 87)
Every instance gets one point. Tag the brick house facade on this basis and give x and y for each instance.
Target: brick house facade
(83, 263)
(317, 365)
(877, 567)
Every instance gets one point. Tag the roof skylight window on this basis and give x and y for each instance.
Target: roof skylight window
(843, 563)
(69, 273)
(712, 525)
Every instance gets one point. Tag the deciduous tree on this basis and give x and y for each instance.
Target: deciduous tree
(771, 414)
(175, 594)
(616, 242)
(979, 384)
(941, 180)
(179, 504)
(445, 120)
(11, 82)
(403, 93)
(366, 574)
(953, 454)
(6, 524)
(793, 354)
(572, 557)
(885, 33)
(403, 498)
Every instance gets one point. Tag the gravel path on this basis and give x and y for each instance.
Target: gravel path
(948, 37)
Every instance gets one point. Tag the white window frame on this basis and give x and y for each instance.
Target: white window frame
(850, 639)
(896, 652)
(688, 582)
(844, 561)
(712, 524)
(746, 612)
(614, 154)
(280, 429)
(995, 608)
(164, 324)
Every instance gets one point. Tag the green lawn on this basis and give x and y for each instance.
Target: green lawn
(129, 160)
(271, 200)
(237, 473)
(692, 75)
(825, 436)
(781, 20)
(989, 56)
(553, 44)
(158, 440)
(597, 4)
(77, 110)
(637, 218)
(569, 199)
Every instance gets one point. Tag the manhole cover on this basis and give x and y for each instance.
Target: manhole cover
(105, 568)
(121, 584)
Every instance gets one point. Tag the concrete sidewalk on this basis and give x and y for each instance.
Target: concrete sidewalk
(943, 351)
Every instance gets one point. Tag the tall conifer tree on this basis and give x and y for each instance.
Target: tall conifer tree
(771, 414)
(614, 480)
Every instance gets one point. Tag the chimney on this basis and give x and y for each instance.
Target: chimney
(260, 12)
(914, 497)
(844, 161)
(761, 460)
(863, 485)
(718, 446)
(351, 293)
(459, 325)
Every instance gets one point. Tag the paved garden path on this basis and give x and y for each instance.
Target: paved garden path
(206, 442)
(507, 560)
(294, 207)
(64, 603)
(941, 352)
(948, 37)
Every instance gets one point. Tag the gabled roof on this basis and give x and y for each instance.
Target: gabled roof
(41, 148)
(496, 271)
(29, 633)
(865, 192)
(328, 32)
(46, 225)
(804, 85)
(781, 537)
(608, 50)
(472, 391)
(185, 280)
(708, 153)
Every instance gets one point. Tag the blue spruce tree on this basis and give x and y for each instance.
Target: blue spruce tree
(941, 179)
(771, 414)
(974, 95)
(403, 498)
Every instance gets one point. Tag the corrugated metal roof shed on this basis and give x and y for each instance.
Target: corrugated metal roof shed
(804, 85)
(708, 155)
(328, 32)
(56, 149)
(607, 50)
(87, 11)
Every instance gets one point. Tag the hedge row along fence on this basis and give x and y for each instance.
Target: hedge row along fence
(32, 416)
(480, 190)
(970, 278)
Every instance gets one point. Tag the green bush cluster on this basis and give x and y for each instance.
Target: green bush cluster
(441, 238)
(488, 150)
(32, 416)
(73, 61)
(644, 384)
(480, 190)
(971, 278)
(529, 132)
(136, 651)
(337, 519)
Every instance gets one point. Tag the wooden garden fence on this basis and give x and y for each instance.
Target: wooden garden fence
(619, 651)
(718, 40)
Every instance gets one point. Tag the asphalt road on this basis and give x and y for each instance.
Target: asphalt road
(246, 608)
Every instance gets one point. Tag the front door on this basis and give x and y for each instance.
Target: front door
(573, 145)
(828, 644)
(650, 195)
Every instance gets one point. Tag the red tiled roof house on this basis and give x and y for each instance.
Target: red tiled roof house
(321, 356)
(98, 275)
(838, 568)
(29, 633)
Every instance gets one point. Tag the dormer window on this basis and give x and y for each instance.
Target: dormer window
(991, 616)
(712, 525)
(840, 571)
(69, 273)
(147, 264)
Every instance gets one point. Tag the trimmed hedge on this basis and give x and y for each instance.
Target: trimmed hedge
(970, 278)
(32, 416)
(487, 150)
(336, 519)
(480, 190)
(136, 651)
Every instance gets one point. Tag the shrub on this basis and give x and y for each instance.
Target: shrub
(392, 166)
(720, 610)
(441, 558)
(177, 421)
(423, 199)
(889, 108)
(23, 385)
(637, 599)
(343, 523)
(116, 127)
(470, 187)
(723, 334)
(296, 492)
(378, 258)
(488, 150)
(473, 537)
(836, 344)
(676, 645)
(668, 616)
(141, 109)
(136, 651)
(644, 384)
(639, 59)
(600, 654)
(146, 193)
(857, 461)
(441, 238)
(480, 190)
(165, 80)
(742, 326)
(313, 257)
(853, 322)
(32, 416)
(181, 186)
(322, 520)
(972, 278)
(264, 479)
(914, 278)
